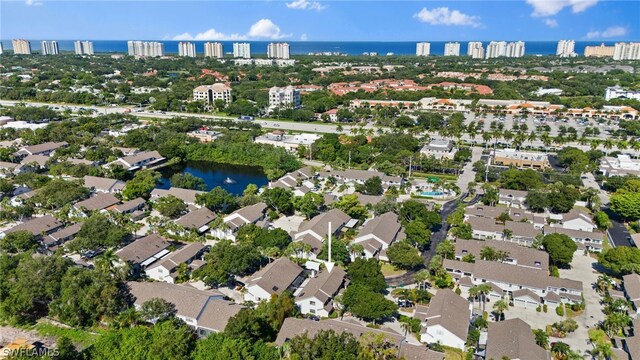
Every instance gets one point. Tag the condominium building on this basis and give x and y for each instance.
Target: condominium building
(515, 49)
(423, 49)
(566, 48)
(21, 47)
(496, 49)
(211, 93)
(520, 159)
(242, 50)
(599, 51)
(626, 51)
(186, 49)
(475, 50)
(49, 48)
(83, 47)
(0, 48)
(452, 49)
(278, 50)
(615, 92)
(288, 96)
(213, 50)
(145, 48)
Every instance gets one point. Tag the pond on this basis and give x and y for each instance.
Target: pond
(215, 174)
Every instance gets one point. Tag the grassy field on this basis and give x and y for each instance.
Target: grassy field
(77, 336)
(390, 270)
(453, 354)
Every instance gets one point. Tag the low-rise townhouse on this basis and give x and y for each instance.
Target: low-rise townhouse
(315, 231)
(45, 149)
(103, 185)
(138, 160)
(98, 202)
(277, 277)
(198, 220)
(315, 295)
(522, 233)
(38, 226)
(252, 214)
(144, 251)
(631, 285)
(447, 320)
(166, 269)
(511, 339)
(377, 234)
(512, 198)
(186, 195)
(516, 254)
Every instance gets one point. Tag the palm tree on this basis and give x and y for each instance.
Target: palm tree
(603, 283)
(127, 319)
(355, 250)
(500, 307)
(593, 198)
(486, 137)
(507, 234)
(635, 145)
(560, 350)
(481, 291)
(602, 351)
(422, 277)
(107, 261)
(406, 327)
(607, 144)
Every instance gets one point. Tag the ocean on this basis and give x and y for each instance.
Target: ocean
(305, 47)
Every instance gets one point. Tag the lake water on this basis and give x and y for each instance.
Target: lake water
(214, 174)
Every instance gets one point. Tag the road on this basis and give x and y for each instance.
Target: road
(618, 233)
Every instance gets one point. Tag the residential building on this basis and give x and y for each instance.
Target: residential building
(135, 208)
(512, 198)
(204, 311)
(575, 219)
(45, 149)
(315, 295)
(586, 240)
(377, 234)
(599, 51)
(186, 49)
(626, 51)
(53, 241)
(138, 160)
(166, 269)
(187, 195)
(566, 48)
(360, 176)
(517, 232)
(475, 50)
(204, 135)
(251, 214)
(83, 47)
(242, 50)
(520, 159)
(103, 185)
(452, 49)
(552, 91)
(214, 50)
(617, 92)
(515, 49)
(315, 231)
(100, 201)
(21, 47)
(278, 50)
(511, 339)
(145, 48)
(439, 148)
(9, 168)
(145, 251)
(619, 166)
(277, 277)
(211, 93)
(516, 214)
(198, 220)
(49, 47)
(496, 49)
(515, 254)
(290, 142)
(547, 289)
(38, 226)
(447, 320)
(423, 49)
(284, 97)
(631, 285)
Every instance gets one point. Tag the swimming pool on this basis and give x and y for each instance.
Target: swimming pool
(431, 193)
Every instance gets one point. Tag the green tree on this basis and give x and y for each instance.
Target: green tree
(170, 206)
(98, 231)
(446, 249)
(309, 204)
(621, 260)
(187, 181)
(367, 304)
(417, 234)
(217, 200)
(278, 199)
(372, 186)
(404, 256)
(19, 241)
(351, 206)
(602, 220)
(626, 204)
(226, 259)
(560, 248)
(141, 185)
(541, 338)
(156, 309)
(367, 273)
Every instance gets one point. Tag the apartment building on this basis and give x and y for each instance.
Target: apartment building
(452, 49)
(626, 51)
(475, 50)
(49, 48)
(21, 47)
(423, 49)
(214, 50)
(284, 97)
(211, 93)
(83, 47)
(278, 50)
(242, 50)
(186, 49)
(145, 48)
(566, 48)
(520, 159)
(599, 51)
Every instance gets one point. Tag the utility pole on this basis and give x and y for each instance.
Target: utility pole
(349, 166)
(410, 167)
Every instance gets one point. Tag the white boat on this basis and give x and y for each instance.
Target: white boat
(229, 180)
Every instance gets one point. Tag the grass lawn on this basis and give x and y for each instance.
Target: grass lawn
(77, 336)
(453, 354)
(424, 176)
(390, 270)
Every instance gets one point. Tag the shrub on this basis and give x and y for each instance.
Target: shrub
(458, 291)
(538, 309)
(560, 310)
(544, 308)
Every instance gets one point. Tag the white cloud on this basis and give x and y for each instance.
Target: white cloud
(264, 28)
(551, 23)
(542, 8)
(304, 37)
(613, 31)
(305, 5)
(32, 3)
(444, 16)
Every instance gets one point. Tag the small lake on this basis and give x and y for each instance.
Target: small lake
(214, 174)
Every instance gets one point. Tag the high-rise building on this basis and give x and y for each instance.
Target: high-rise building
(423, 49)
(144, 48)
(515, 49)
(566, 48)
(83, 47)
(211, 93)
(278, 50)
(288, 96)
(475, 50)
(21, 46)
(626, 51)
(213, 50)
(242, 50)
(49, 48)
(186, 49)
(0, 48)
(599, 51)
(452, 49)
(496, 49)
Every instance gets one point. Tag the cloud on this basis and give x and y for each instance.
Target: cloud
(613, 31)
(32, 3)
(304, 37)
(552, 23)
(263, 28)
(444, 16)
(543, 8)
(305, 5)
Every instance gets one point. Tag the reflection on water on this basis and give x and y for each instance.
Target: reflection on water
(215, 174)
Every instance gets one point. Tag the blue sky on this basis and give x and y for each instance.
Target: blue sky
(295, 20)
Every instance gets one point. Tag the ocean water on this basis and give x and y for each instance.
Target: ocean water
(305, 47)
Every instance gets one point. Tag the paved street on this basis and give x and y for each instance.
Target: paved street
(467, 174)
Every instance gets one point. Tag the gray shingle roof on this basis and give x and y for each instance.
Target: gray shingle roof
(143, 249)
(525, 256)
(319, 224)
(98, 202)
(103, 184)
(186, 195)
(44, 224)
(196, 219)
(632, 286)
(277, 276)
(450, 311)
(385, 227)
(513, 338)
(324, 286)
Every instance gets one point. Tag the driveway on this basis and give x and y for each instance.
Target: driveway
(468, 175)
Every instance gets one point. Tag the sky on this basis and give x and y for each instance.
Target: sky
(310, 20)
